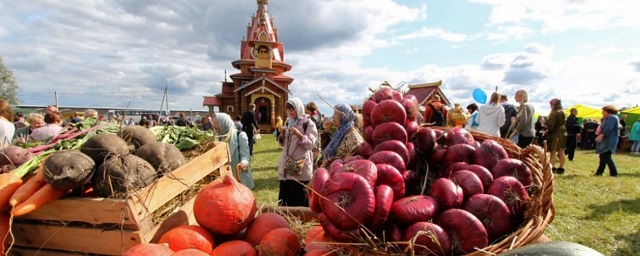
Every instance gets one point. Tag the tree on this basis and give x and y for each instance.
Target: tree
(8, 86)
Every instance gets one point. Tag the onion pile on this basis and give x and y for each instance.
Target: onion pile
(440, 189)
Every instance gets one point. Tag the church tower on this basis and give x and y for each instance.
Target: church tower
(261, 78)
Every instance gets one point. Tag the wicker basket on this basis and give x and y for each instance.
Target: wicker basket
(539, 214)
(540, 211)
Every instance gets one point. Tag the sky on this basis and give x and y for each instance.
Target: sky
(125, 52)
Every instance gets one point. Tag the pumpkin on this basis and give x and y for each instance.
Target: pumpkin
(149, 249)
(188, 237)
(262, 224)
(190, 252)
(225, 206)
(279, 242)
(235, 248)
(316, 239)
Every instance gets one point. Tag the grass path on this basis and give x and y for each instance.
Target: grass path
(600, 212)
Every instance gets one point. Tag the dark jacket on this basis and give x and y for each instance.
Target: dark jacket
(509, 112)
(572, 125)
(249, 122)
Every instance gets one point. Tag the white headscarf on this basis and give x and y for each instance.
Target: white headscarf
(299, 107)
(227, 127)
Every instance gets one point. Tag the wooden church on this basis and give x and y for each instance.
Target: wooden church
(261, 78)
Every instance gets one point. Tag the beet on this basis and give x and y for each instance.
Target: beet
(164, 157)
(104, 145)
(119, 175)
(137, 136)
(68, 169)
(14, 156)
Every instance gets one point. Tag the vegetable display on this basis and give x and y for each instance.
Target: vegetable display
(442, 191)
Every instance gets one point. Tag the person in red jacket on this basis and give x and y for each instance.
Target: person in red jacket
(435, 113)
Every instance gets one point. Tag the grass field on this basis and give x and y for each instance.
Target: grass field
(600, 212)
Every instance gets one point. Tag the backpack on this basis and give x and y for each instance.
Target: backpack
(437, 119)
(317, 122)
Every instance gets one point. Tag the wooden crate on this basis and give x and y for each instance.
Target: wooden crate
(106, 226)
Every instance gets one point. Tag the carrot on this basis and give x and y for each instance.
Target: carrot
(5, 237)
(43, 196)
(30, 187)
(9, 183)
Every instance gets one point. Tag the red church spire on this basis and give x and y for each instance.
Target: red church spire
(262, 38)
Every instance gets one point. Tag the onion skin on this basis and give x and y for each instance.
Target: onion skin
(351, 201)
(492, 212)
(413, 209)
(448, 194)
(464, 229)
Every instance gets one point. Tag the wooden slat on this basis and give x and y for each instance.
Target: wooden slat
(88, 240)
(25, 251)
(184, 216)
(147, 200)
(90, 210)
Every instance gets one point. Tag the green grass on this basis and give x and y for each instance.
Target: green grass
(600, 212)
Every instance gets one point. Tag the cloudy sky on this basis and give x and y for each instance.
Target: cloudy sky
(110, 53)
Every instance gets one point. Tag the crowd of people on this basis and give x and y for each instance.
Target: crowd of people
(309, 139)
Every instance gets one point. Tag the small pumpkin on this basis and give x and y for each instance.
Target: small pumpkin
(225, 206)
(262, 224)
(188, 237)
(316, 239)
(279, 242)
(235, 248)
(149, 249)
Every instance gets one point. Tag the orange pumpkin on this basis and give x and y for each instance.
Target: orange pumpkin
(190, 252)
(188, 237)
(225, 206)
(279, 242)
(316, 239)
(262, 224)
(149, 249)
(235, 248)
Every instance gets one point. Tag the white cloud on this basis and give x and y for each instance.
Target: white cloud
(558, 16)
(434, 32)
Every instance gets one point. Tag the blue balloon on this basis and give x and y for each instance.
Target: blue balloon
(480, 96)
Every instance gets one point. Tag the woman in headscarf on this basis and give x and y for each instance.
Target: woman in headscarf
(238, 147)
(7, 128)
(346, 138)
(295, 166)
(607, 140)
(557, 135)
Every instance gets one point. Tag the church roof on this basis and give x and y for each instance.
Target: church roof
(210, 101)
(264, 80)
(425, 90)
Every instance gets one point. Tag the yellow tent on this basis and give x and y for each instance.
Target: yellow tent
(585, 112)
(635, 110)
